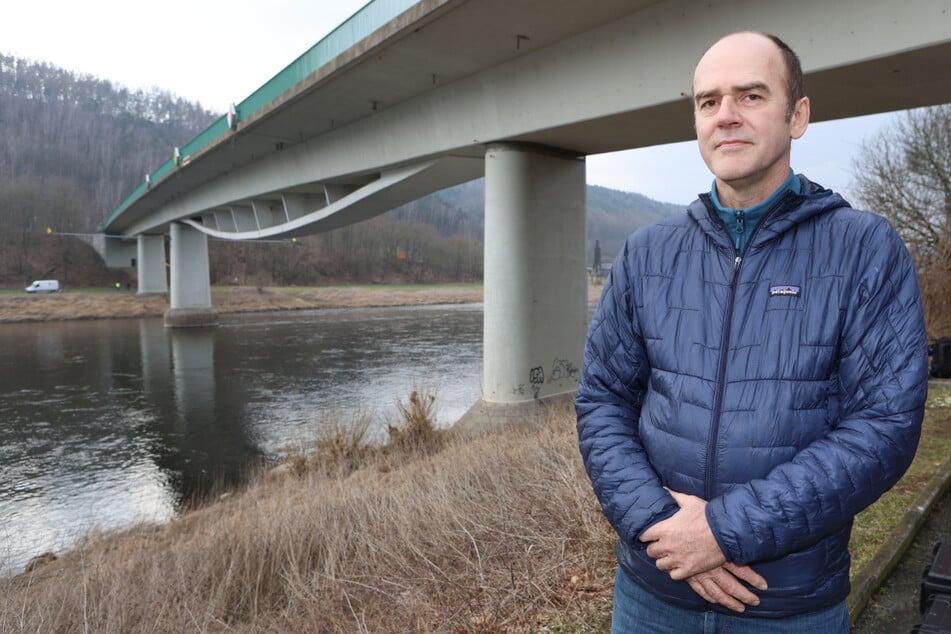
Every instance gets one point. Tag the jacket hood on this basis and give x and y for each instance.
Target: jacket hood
(789, 210)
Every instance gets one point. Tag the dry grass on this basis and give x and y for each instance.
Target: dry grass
(381, 296)
(418, 431)
(434, 532)
(495, 533)
(62, 306)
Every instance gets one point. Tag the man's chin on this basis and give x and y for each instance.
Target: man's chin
(734, 175)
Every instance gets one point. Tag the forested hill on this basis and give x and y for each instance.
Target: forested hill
(612, 214)
(101, 137)
(74, 146)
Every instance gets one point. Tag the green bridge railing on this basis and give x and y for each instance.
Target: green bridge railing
(361, 24)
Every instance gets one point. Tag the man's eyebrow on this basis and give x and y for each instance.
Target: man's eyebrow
(755, 85)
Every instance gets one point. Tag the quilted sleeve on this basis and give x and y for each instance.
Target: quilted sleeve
(883, 378)
(608, 405)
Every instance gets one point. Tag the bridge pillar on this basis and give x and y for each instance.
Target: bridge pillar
(190, 293)
(150, 265)
(536, 304)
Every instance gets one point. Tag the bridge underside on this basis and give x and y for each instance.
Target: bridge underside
(454, 89)
(535, 277)
(316, 208)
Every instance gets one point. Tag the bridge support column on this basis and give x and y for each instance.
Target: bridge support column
(150, 265)
(190, 293)
(535, 281)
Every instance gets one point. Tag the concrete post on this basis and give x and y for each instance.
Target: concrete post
(150, 265)
(535, 280)
(190, 293)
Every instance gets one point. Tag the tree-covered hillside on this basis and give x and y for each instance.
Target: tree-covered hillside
(101, 137)
(73, 147)
(613, 214)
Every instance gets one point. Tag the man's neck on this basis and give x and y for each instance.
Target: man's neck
(740, 222)
(740, 195)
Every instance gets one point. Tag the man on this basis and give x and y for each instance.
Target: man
(755, 375)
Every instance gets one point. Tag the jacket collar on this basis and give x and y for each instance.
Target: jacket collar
(786, 212)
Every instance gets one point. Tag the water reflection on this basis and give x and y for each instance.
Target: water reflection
(74, 456)
(104, 424)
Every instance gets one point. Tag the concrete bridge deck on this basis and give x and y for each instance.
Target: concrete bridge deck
(407, 98)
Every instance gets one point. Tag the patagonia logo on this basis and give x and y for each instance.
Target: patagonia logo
(780, 290)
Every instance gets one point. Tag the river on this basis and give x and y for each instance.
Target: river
(110, 423)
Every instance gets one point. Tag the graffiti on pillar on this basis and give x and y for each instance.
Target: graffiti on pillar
(519, 390)
(564, 369)
(536, 376)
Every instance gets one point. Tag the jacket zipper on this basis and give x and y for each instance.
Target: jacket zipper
(721, 384)
(711, 468)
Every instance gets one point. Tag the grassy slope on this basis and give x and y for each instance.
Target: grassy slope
(435, 533)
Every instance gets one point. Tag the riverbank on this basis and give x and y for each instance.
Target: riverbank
(107, 304)
(439, 531)
(99, 304)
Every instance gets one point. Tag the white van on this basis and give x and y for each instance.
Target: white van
(44, 286)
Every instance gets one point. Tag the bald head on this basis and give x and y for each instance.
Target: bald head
(753, 42)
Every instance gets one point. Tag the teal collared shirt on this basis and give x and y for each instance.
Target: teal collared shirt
(741, 222)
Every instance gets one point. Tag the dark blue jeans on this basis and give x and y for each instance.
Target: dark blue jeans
(637, 611)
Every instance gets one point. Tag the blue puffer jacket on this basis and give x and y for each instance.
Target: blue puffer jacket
(786, 388)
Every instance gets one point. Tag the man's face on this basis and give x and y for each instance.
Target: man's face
(741, 116)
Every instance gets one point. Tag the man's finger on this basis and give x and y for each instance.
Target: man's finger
(697, 587)
(721, 587)
(748, 575)
(720, 596)
(729, 585)
(664, 563)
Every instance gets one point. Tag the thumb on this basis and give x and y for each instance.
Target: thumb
(679, 498)
(685, 499)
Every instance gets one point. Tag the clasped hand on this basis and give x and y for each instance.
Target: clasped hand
(684, 546)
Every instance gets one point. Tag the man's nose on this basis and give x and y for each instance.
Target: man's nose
(728, 114)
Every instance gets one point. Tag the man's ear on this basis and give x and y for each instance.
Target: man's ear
(800, 118)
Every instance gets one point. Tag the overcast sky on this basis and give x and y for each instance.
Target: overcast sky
(220, 52)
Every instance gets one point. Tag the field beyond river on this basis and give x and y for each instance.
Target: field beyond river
(117, 304)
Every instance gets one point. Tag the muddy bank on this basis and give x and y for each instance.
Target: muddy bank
(238, 299)
(126, 304)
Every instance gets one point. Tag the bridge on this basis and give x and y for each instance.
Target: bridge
(409, 97)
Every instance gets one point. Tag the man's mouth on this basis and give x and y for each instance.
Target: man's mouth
(731, 143)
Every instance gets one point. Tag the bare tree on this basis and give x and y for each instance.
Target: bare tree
(905, 175)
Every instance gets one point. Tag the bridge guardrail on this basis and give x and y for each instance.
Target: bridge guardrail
(361, 24)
